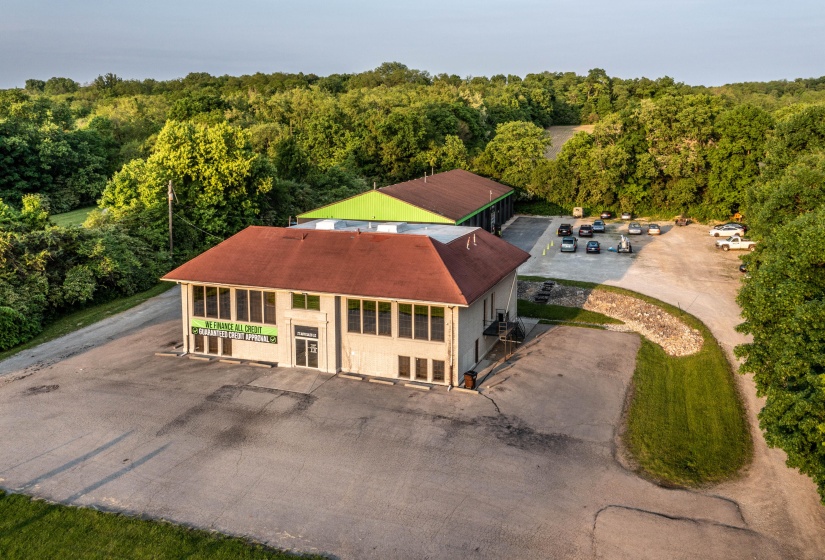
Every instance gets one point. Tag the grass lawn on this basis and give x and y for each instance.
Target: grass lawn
(79, 319)
(686, 424)
(564, 314)
(33, 529)
(73, 218)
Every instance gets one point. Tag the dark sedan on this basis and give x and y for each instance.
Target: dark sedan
(585, 230)
(593, 247)
(605, 215)
(564, 229)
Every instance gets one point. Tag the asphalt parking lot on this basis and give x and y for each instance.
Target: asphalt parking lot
(319, 463)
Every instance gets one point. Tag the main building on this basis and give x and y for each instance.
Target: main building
(396, 300)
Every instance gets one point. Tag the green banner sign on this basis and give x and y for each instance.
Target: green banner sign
(235, 331)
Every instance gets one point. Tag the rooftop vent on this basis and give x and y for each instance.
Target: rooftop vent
(330, 224)
(391, 227)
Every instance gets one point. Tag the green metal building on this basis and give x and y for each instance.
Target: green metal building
(454, 197)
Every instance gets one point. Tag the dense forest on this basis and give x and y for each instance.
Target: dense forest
(259, 149)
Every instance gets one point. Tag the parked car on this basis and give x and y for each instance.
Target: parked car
(627, 216)
(606, 215)
(681, 220)
(737, 224)
(736, 242)
(654, 229)
(564, 229)
(585, 230)
(743, 268)
(727, 230)
(634, 229)
(598, 226)
(569, 244)
(593, 247)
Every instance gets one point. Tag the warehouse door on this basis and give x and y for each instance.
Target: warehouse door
(306, 347)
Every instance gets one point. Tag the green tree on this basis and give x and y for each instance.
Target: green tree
(514, 152)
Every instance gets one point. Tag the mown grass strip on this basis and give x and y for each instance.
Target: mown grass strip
(31, 529)
(73, 218)
(563, 313)
(84, 317)
(686, 424)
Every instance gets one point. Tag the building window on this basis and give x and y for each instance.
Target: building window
(306, 301)
(404, 367)
(242, 305)
(437, 323)
(226, 346)
(422, 331)
(426, 324)
(438, 371)
(370, 319)
(492, 305)
(199, 343)
(224, 303)
(198, 301)
(255, 306)
(354, 315)
(384, 318)
(405, 320)
(420, 369)
(212, 302)
(269, 308)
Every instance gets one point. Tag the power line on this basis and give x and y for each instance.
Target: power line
(196, 227)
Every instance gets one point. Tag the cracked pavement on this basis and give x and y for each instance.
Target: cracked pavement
(318, 463)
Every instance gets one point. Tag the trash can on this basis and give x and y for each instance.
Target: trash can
(470, 379)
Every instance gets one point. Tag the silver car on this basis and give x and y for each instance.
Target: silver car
(634, 229)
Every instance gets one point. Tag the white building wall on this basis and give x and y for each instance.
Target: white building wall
(368, 354)
(472, 322)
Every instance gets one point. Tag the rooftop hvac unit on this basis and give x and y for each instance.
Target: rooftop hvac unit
(330, 224)
(392, 227)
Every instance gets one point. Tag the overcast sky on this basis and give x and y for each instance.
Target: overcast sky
(699, 42)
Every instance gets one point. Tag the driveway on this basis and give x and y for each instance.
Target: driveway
(319, 463)
(682, 267)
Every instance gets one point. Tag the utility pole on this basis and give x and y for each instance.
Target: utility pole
(170, 196)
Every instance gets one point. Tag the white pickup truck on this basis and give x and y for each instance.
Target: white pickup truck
(736, 242)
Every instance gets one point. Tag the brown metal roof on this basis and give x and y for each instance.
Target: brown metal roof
(452, 194)
(379, 265)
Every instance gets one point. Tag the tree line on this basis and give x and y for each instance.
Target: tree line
(258, 149)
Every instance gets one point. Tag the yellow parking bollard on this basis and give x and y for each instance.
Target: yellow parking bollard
(544, 252)
(551, 243)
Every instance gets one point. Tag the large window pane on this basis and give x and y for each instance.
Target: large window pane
(224, 303)
(212, 302)
(198, 343)
(438, 371)
(198, 302)
(370, 319)
(226, 346)
(422, 331)
(269, 308)
(420, 369)
(255, 307)
(404, 367)
(354, 315)
(213, 344)
(299, 301)
(437, 323)
(384, 318)
(314, 302)
(404, 320)
(242, 305)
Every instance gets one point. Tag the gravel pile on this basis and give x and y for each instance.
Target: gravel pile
(655, 324)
